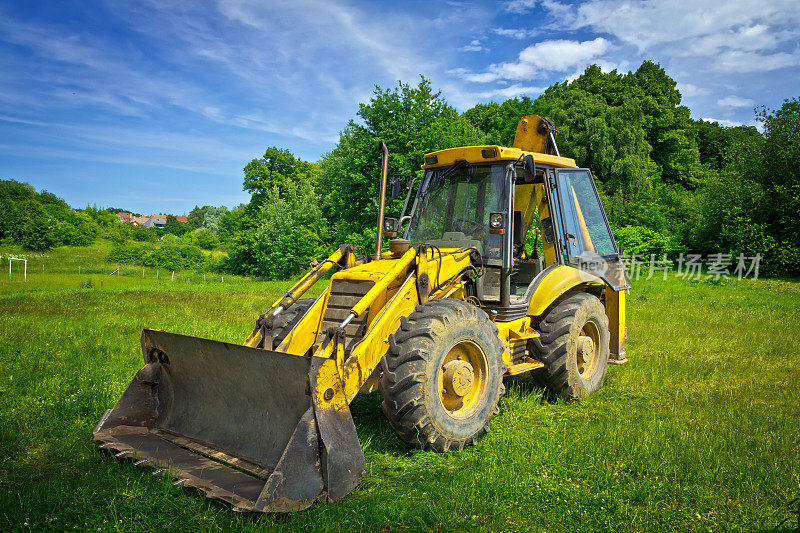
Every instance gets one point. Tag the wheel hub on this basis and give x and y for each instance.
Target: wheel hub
(458, 377)
(585, 348)
(586, 352)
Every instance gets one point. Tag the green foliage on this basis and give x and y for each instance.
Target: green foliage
(290, 233)
(36, 232)
(168, 255)
(206, 217)
(751, 205)
(645, 241)
(411, 121)
(174, 227)
(611, 140)
(499, 121)
(206, 239)
(668, 183)
(142, 234)
(279, 169)
(779, 176)
(217, 261)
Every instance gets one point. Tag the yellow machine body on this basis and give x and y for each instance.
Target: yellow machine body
(266, 425)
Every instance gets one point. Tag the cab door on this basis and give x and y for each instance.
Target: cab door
(586, 238)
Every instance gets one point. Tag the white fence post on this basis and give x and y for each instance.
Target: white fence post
(24, 267)
(173, 276)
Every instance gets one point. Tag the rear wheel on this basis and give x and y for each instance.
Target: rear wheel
(573, 347)
(443, 375)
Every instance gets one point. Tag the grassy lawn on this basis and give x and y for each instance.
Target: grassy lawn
(699, 431)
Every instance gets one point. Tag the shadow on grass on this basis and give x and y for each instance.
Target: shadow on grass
(374, 431)
(523, 386)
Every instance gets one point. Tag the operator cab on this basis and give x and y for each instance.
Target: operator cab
(520, 212)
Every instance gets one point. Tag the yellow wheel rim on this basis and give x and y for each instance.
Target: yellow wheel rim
(587, 347)
(462, 379)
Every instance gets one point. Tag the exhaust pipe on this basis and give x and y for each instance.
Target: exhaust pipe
(382, 200)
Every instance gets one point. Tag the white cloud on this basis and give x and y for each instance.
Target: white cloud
(739, 61)
(735, 101)
(473, 46)
(511, 91)
(463, 99)
(733, 123)
(520, 6)
(515, 33)
(688, 90)
(723, 122)
(738, 24)
(751, 38)
(546, 56)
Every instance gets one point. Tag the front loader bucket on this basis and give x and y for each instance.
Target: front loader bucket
(241, 424)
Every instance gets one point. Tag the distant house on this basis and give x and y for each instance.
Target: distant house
(125, 216)
(156, 221)
(140, 221)
(182, 219)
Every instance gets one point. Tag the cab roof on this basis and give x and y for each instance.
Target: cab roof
(475, 154)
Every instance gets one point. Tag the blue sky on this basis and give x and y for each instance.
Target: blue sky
(157, 106)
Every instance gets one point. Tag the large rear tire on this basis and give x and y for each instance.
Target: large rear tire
(573, 346)
(443, 375)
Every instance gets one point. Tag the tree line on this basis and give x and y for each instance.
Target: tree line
(669, 183)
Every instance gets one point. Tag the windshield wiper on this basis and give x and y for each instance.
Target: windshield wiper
(449, 170)
(439, 179)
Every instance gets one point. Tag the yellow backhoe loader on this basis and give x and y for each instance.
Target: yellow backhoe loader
(435, 322)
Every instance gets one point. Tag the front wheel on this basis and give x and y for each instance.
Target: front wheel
(443, 375)
(573, 346)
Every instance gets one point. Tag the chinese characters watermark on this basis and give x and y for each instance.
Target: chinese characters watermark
(692, 267)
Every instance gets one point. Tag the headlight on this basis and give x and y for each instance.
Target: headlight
(390, 227)
(496, 220)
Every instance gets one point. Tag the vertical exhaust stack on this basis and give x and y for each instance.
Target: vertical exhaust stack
(382, 200)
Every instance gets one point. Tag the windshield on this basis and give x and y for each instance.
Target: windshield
(583, 215)
(454, 206)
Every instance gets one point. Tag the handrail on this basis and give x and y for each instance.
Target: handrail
(306, 282)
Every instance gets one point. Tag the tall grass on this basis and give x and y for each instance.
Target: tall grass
(699, 431)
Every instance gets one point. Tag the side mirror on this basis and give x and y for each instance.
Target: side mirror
(395, 188)
(530, 169)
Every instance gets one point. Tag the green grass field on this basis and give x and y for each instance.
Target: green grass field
(700, 431)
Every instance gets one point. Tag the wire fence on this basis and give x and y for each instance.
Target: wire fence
(29, 266)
